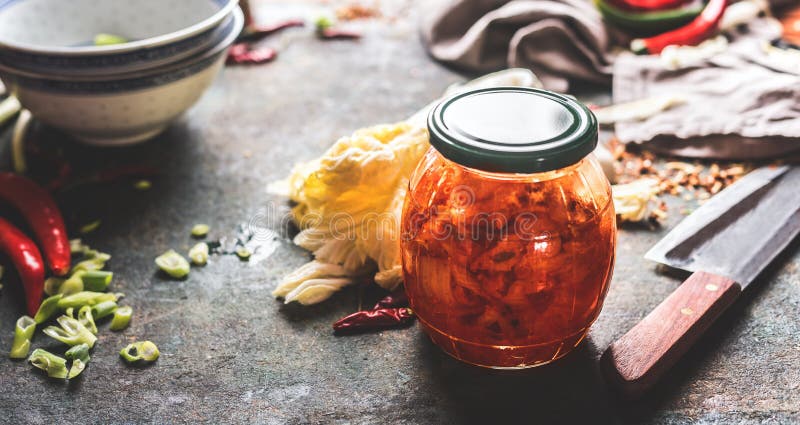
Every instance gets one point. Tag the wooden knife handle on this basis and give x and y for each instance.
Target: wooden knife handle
(639, 358)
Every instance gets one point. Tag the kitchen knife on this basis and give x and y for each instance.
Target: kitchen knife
(726, 243)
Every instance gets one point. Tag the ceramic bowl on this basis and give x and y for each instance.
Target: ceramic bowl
(122, 110)
(56, 36)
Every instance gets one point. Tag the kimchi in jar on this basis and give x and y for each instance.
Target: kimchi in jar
(508, 228)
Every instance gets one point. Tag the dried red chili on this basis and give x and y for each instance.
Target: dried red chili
(241, 53)
(337, 34)
(27, 260)
(689, 35)
(257, 32)
(395, 299)
(382, 318)
(41, 212)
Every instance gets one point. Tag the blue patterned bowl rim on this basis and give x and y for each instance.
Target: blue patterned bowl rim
(116, 63)
(166, 75)
(225, 8)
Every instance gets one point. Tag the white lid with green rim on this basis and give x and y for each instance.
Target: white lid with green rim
(512, 130)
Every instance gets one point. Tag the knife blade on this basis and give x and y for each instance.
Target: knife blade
(726, 243)
(737, 233)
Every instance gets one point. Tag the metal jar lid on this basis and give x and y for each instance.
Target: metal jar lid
(512, 130)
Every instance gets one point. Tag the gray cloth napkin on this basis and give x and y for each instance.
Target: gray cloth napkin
(740, 104)
(559, 40)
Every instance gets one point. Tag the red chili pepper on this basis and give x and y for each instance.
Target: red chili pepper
(42, 214)
(241, 53)
(256, 32)
(381, 318)
(27, 260)
(691, 34)
(649, 5)
(395, 299)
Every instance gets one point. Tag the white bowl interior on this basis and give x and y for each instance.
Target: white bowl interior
(60, 23)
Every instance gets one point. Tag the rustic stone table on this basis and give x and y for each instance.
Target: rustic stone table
(231, 353)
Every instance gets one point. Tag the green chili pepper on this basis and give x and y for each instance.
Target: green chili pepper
(121, 319)
(97, 280)
(22, 337)
(71, 332)
(73, 284)
(79, 355)
(651, 21)
(173, 264)
(199, 254)
(144, 351)
(200, 230)
(52, 285)
(243, 253)
(55, 366)
(48, 307)
(89, 298)
(103, 309)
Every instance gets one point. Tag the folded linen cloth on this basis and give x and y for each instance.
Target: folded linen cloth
(741, 103)
(559, 40)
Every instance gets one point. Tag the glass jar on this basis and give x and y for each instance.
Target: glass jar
(508, 228)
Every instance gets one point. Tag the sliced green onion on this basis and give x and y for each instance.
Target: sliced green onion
(22, 337)
(88, 265)
(200, 230)
(173, 264)
(323, 23)
(97, 280)
(55, 366)
(103, 309)
(77, 367)
(52, 285)
(73, 284)
(142, 185)
(243, 253)
(18, 141)
(72, 332)
(122, 317)
(86, 298)
(77, 247)
(79, 355)
(96, 256)
(78, 352)
(144, 351)
(9, 107)
(90, 227)
(199, 254)
(47, 308)
(86, 318)
(108, 39)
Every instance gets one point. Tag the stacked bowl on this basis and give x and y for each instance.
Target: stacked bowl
(120, 93)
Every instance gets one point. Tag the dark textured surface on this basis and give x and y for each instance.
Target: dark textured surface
(231, 353)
